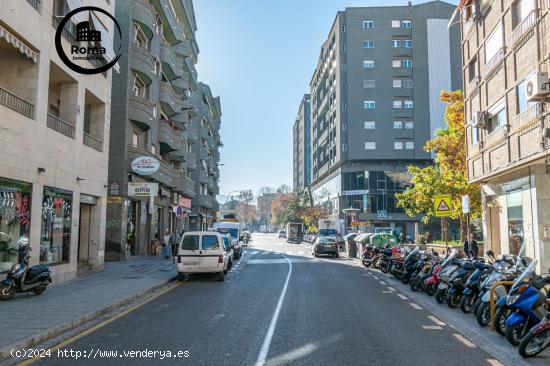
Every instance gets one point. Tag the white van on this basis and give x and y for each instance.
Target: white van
(234, 229)
(202, 252)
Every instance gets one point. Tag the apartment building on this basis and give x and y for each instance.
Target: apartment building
(150, 189)
(374, 104)
(301, 146)
(505, 55)
(55, 125)
(205, 156)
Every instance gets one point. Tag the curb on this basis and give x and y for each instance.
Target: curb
(5, 353)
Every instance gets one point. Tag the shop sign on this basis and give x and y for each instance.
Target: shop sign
(142, 189)
(185, 202)
(360, 223)
(465, 204)
(145, 165)
(90, 200)
(354, 193)
(114, 199)
(114, 188)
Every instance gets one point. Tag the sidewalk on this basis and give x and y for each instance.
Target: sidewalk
(28, 319)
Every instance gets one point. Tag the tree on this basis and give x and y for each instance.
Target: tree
(449, 174)
(264, 199)
(279, 207)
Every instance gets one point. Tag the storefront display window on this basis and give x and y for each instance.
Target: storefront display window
(514, 201)
(131, 229)
(55, 238)
(15, 219)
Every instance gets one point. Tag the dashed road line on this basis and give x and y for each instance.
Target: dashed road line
(415, 305)
(391, 288)
(494, 362)
(382, 283)
(435, 320)
(432, 327)
(464, 341)
(403, 297)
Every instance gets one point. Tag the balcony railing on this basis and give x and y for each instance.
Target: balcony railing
(524, 119)
(523, 29)
(60, 126)
(492, 65)
(472, 85)
(36, 4)
(93, 142)
(16, 103)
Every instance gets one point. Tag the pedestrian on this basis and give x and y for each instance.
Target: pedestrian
(402, 239)
(428, 237)
(174, 243)
(166, 245)
(470, 247)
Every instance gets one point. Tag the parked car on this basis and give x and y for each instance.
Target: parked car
(229, 250)
(325, 245)
(202, 252)
(282, 234)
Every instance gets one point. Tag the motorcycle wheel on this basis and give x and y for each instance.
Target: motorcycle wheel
(376, 264)
(501, 314)
(476, 305)
(414, 285)
(6, 292)
(453, 299)
(514, 335)
(366, 263)
(405, 279)
(39, 290)
(483, 314)
(430, 289)
(384, 267)
(532, 345)
(467, 303)
(440, 296)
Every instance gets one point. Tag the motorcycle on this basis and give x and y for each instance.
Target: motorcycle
(472, 287)
(21, 278)
(457, 283)
(432, 282)
(444, 276)
(424, 270)
(397, 263)
(526, 300)
(538, 337)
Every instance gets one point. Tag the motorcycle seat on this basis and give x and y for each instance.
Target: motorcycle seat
(387, 252)
(468, 266)
(36, 270)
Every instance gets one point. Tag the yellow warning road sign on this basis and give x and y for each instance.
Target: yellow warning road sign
(442, 205)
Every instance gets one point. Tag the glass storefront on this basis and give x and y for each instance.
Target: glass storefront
(514, 203)
(15, 219)
(55, 237)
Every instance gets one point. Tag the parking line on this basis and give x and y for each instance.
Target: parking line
(375, 277)
(382, 282)
(494, 362)
(463, 340)
(403, 297)
(391, 289)
(435, 320)
(415, 305)
(432, 327)
(387, 292)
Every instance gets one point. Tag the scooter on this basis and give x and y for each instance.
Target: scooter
(21, 278)
(470, 294)
(409, 267)
(457, 283)
(444, 277)
(538, 337)
(526, 300)
(432, 282)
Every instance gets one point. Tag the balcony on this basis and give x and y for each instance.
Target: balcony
(171, 102)
(57, 124)
(36, 4)
(204, 132)
(92, 141)
(207, 201)
(144, 13)
(191, 161)
(190, 66)
(140, 111)
(472, 86)
(524, 29)
(204, 153)
(192, 135)
(203, 176)
(171, 65)
(527, 119)
(169, 137)
(173, 29)
(181, 85)
(185, 186)
(183, 48)
(143, 61)
(16, 103)
(492, 66)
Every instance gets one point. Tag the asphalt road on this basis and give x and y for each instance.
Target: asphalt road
(331, 312)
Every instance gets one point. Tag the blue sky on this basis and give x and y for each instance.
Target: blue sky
(258, 56)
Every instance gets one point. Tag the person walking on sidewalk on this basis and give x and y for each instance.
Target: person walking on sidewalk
(470, 247)
(166, 248)
(174, 241)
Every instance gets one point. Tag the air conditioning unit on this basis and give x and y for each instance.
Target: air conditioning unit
(479, 120)
(537, 86)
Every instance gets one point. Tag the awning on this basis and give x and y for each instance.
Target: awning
(17, 43)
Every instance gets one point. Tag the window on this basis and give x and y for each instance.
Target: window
(409, 125)
(407, 43)
(472, 69)
(344, 147)
(397, 83)
(369, 83)
(370, 125)
(475, 135)
(368, 44)
(140, 38)
(158, 26)
(370, 145)
(139, 87)
(407, 24)
(154, 149)
(398, 145)
(396, 43)
(396, 63)
(409, 145)
(407, 84)
(210, 242)
(135, 139)
(397, 125)
(395, 24)
(521, 91)
(521, 9)
(494, 43)
(369, 104)
(190, 242)
(55, 238)
(408, 63)
(497, 116)
(344, 107)
(368, 64)
(344, 28)
(397, 104)
(367, 24)
(408, 104)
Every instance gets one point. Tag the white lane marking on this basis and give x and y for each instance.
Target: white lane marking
(375, 277)
(269, 335)
(432, 327)
(365, 274)
(382, 282)
(415, 305)
(387, 292)
(403, 297)
(253, 252)
(463, 340)
(391, 289)
(494, 362)
(435, 320)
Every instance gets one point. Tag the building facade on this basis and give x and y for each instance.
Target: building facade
(374, 104)
(55, 141)
(205, 157)
(301, 147)
(152, 110)
(505, 55)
